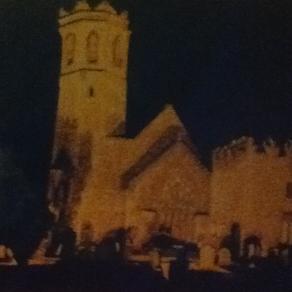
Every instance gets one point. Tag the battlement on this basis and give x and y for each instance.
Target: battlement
(102, 11)
(245, 147)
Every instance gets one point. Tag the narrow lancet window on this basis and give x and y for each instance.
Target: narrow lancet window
(69, 44)
(92, 47)
(117, 52)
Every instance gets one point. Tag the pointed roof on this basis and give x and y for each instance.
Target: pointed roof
(168, 113)
(153, 130)
(105, 6)
(169, 137)
(163, 132)
(165, 118)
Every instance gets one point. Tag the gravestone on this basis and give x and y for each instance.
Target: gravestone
(252, 247)
(253, 250)
(165, 268)
(3, 254)
(224, 257)
(39, 257)
(7, 256)
(207, 257)
(155, 259)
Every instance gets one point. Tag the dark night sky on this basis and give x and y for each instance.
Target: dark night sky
(226, 66)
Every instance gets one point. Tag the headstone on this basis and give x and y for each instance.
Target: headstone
(165, 268)
(155, 259)
(252, 247)
(3, 254)
(207, 257)
(224, 257)
(6, 256)
(39, 257)
(251, 250)
(10, 260)
(117, 246)
(59, 250)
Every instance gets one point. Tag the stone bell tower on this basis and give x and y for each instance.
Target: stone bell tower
(92, 98)
(94, 67)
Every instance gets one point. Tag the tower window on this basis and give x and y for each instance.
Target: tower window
(117, 52)
(70, 42)
(91, 92)
(92, 47)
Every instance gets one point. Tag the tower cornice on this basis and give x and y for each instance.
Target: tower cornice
(102, 12)
(92, 15)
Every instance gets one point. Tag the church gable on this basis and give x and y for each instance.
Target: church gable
(171, 136)
(166, 118)
(157, 135)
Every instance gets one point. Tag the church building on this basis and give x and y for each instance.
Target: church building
(101, 180)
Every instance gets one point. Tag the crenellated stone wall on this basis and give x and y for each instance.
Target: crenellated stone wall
(248, 186)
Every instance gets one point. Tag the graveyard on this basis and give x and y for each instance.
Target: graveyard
(166, 265)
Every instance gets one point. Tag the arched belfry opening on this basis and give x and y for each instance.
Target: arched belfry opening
(92, 47)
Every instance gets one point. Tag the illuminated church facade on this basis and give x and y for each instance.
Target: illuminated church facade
(101, 180)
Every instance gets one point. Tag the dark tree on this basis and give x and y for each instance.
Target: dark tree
(24, 219)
